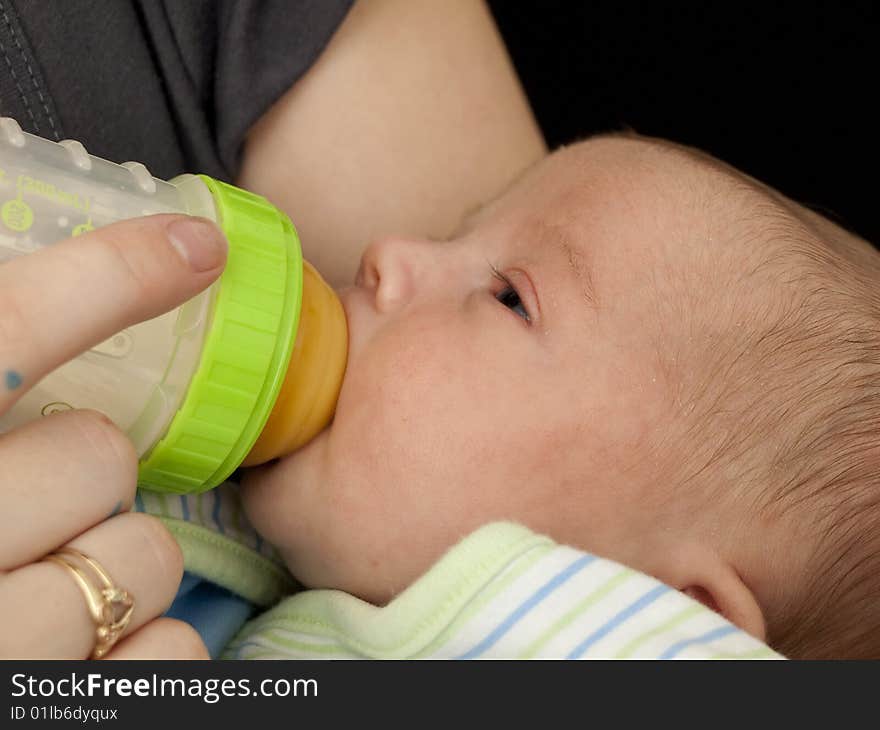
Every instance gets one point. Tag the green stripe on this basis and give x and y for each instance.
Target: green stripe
(594, 597)
(761, 651)
(521, 565)
(260, 655)
(264, 632)
(302, 646)
(683, 615)
(269, 654)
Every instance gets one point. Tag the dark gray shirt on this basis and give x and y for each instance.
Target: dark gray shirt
(175, 84)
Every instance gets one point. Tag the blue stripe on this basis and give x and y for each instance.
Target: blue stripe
(614, 622)
(527, 605)
(139, 502)
(705, 638)
(185, 506)
(216, 512)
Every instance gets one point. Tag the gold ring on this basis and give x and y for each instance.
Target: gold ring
(111, 607)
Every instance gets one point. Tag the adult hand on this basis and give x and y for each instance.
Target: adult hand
(69, 478)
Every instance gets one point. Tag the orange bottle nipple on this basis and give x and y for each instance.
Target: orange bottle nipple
(307, 400)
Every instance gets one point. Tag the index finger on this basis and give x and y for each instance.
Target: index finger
(70, 296)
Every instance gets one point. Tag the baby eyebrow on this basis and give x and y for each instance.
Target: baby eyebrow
(577, 266)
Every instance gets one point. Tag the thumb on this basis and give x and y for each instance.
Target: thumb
(67, 297)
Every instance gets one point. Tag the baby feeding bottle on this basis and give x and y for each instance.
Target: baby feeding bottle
(246, 371)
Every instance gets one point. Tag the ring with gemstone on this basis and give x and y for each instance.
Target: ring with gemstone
(110, 606)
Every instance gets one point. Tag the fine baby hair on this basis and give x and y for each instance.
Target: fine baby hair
(777, 381)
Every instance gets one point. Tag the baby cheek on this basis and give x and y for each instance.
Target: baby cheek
(421, 376)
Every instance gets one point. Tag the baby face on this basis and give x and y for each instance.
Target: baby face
(508, 373)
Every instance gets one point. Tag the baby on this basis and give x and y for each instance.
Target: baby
(637, 351)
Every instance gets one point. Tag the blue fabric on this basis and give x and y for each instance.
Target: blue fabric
(216, 613)
(523, 609)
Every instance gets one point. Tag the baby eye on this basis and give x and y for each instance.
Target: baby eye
(509, 297)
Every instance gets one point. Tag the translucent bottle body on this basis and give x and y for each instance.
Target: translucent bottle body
(50, 192)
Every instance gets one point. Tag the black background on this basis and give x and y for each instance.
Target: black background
(787, 92)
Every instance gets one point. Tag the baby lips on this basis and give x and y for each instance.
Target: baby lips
(246, 371)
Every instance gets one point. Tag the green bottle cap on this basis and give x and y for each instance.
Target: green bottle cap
(246, 350)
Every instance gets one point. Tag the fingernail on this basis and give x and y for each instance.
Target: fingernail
(199, 241)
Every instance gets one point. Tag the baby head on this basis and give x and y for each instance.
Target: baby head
(635, 350)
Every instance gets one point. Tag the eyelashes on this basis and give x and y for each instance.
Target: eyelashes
(509, 296)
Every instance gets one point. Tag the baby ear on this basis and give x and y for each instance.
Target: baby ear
(709, 579)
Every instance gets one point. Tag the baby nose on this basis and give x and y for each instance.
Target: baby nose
(392, 268)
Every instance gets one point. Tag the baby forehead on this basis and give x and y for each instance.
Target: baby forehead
(659, 191)
(639, 172)
(629, 212)
(609, 189)
(592, 180)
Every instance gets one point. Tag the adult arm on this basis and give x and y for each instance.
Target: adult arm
(412, 116)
